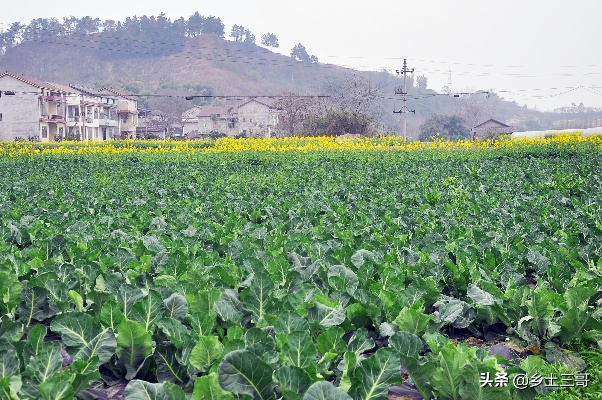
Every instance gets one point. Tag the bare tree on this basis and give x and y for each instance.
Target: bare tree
(167, 110)
(357, 96)
(475, 107)
(293, 110)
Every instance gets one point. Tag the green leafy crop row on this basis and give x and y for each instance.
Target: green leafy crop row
(322, 275)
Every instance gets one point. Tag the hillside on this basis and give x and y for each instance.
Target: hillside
(227, 67)
(207, 64)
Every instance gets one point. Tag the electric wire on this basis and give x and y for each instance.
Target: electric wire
(265, 61)
(126, 43)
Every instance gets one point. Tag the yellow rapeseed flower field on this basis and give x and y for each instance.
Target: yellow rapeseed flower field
(303, 144)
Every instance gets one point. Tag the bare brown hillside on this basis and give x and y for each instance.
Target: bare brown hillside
(229, 68)
(208, 64)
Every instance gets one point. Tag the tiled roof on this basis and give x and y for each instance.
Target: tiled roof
(208, 111)
(32, 81)
(115, 92)
(266, 101)
(495, 121)
(64, 88)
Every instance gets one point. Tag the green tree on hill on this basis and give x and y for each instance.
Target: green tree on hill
(213, 25)
(241, 34)
(194, 26)
(299, 53)
(269, 40)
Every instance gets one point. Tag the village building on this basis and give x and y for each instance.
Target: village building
(491, 128)
(155, 125)
(30, 109)
(127, 112)
(248, 118)
(91, 115)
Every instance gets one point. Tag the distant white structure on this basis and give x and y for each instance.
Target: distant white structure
(541, 134)
(592, 131)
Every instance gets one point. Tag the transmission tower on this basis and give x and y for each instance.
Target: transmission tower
(403, 92)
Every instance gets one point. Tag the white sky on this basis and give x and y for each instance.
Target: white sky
(531, 51)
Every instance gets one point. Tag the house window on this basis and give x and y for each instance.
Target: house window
(44, 132)
(95, 113)
(0, 116)
(61, 131)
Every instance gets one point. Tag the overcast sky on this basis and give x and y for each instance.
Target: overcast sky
(543, 53)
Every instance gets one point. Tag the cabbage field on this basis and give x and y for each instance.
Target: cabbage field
(286, 270)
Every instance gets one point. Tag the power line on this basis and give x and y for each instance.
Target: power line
(399, 90)
(193, 56)
(114, 41)
(265, 61)
(183, 96)
(511, 75)
(55, 33)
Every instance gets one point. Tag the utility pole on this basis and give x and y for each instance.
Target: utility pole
(403, 92)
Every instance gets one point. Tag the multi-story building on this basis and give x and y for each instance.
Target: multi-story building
(257, 117)
(127, 112)
(31, 108)
(206, 120)
(249, 118)
(92, 115)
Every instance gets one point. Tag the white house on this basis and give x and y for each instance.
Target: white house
(249, 118)
(30, 108)
(257, 117)
(92, 114)
(127, 112)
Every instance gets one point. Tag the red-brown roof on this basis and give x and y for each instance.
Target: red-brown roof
(115, 92)
(32, 81)
(65, 88)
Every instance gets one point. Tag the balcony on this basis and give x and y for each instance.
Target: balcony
(124, 106)
(52, 118)
(53, 97)
(107, 122)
